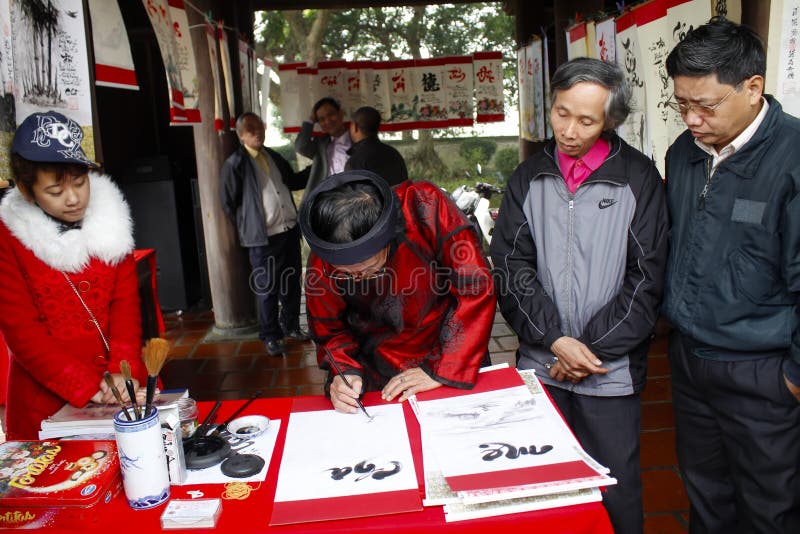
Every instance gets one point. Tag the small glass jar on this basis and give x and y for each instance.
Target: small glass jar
(187, 411)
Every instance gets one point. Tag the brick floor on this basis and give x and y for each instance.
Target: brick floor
(237, 369)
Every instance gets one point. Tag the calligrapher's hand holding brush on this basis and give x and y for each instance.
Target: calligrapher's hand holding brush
(155, 354)
(125, 367)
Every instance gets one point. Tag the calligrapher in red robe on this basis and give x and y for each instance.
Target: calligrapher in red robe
(429, 307)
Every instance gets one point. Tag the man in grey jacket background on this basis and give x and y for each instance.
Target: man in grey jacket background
(579, 249)
(255, 190)
(328, 152)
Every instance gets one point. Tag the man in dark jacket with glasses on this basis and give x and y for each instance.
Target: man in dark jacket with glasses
(733, 285)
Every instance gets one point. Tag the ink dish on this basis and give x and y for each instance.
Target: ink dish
(249, 426)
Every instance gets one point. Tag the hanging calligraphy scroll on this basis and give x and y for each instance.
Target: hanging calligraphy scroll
(186, 62)
(159, 15)
(379, 92)
(525, 92)
(356, 86)
(488, 68)
(310, 92)
(683, 15)
(634, 129)
(652, 25)
(591, 38)
(51, 65)
(244, 74)
(787, 89)
(604, 44)
(428, 85)
(8, 119)
(535, 66)
(113, 63)
(227, 73)
(401, 89)
(213, 58)
(293, 110)
(576, 41)
(265, 67)
(459, 85)
(546, 72)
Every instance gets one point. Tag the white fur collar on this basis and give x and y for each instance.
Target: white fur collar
(106, 233)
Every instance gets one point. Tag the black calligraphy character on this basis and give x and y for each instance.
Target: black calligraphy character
(380, 474)
(364, 469)
(338, 473)
(429, 82)
(511, 451)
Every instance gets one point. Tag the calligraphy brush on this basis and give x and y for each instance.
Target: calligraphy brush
(199, 431)
(125, 367)
(346, 382)
(155, 354)
(222, 425)
(113, 387)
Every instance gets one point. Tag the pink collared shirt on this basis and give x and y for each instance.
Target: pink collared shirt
(576, 170)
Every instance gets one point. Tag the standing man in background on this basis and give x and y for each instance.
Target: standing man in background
(580, 249)
(328, 152)
(733, 286)
(369, 153)
(256, 185)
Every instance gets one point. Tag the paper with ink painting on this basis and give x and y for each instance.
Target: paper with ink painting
(499, 438)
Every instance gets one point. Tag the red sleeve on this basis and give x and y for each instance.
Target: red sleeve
(464, 336)
(29, 340)
(326, 309)
(125, 321)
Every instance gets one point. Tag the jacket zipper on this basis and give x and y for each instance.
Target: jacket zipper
(571, 230)
(701, 205)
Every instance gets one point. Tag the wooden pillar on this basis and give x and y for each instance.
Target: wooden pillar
(228, 265)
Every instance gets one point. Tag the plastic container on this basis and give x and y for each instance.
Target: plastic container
(187, 411)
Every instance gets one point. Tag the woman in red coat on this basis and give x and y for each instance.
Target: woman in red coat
(68, 282)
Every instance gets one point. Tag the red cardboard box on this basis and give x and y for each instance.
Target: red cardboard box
(42, 482)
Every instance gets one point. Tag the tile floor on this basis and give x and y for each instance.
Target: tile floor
(237, 369)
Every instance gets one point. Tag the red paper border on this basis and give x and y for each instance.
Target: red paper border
(364, 505)
(115, 75)
(523, 476)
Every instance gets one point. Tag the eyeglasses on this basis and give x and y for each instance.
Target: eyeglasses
(700, 109)
(370, 273)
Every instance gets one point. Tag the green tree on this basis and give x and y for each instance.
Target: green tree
(506, 160)
(387, 34)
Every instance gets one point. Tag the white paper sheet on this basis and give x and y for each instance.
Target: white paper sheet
(486, 432)
(262, 445)
(328, 454)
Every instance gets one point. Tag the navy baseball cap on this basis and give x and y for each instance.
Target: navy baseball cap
(50, 137)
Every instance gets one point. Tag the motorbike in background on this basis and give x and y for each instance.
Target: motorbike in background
(474, 202)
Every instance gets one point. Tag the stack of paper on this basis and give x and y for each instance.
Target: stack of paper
(96, 420)
(501, 448)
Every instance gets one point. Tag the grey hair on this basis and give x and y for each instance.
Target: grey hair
(242, 118)
(603, 73)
